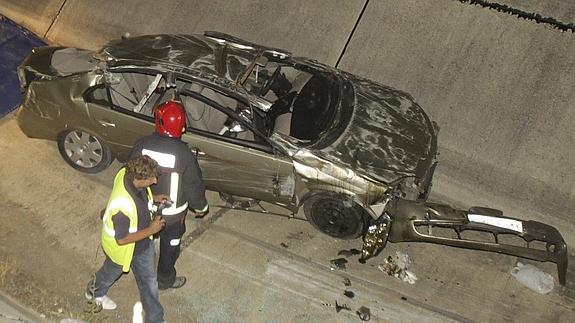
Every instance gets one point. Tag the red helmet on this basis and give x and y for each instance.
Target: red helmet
(170, 119)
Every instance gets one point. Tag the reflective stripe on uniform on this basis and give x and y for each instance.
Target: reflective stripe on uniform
(117, 204)
(109, 231)
(112, 233)
(174, 188)
(204, 209)
(174, 191)
(175, 210)
(163, 159)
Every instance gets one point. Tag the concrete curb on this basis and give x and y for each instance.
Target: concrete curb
(11, 310)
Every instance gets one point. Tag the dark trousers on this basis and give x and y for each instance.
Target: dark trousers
(144, 272)
(170, 239)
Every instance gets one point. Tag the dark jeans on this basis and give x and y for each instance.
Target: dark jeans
(145, 275)
(170, 250)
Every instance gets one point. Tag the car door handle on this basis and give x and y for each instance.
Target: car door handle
(198, 152)
(106, 123)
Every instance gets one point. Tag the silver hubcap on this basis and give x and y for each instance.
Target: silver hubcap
(83, 149)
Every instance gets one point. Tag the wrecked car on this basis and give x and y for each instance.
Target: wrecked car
(358, 157)
(263, 123)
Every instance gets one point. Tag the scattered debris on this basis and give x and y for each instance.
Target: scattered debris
(375, 238)
(349, 253)
(346, 281)
(414, 221)
(349, 293)
(338, 263)
(397, 266)
(93, 307)
(339, 307)
(533, 278)
(296, 236)
(283, 244)
(363, 313)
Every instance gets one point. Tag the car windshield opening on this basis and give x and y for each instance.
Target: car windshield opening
(302, 101)
(313, 110)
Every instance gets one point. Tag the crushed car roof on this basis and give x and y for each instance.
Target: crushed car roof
(187, 52)
(403, 146)
(178, 50)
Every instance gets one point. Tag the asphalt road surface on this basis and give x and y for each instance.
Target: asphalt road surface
(241, 266)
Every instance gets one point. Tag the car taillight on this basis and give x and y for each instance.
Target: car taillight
(22, 80)
(25, 77)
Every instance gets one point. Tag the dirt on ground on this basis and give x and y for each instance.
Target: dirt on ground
(35, 269)
(49, 245)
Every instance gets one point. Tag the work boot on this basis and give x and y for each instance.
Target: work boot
(106, 302)
(178, 282)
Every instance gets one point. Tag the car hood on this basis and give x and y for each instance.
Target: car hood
(388, 136)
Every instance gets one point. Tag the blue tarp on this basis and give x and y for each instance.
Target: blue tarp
(15, 43)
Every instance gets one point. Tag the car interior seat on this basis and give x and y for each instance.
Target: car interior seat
(130, 89)
(200, 115)
(309, 108)
(281, 110)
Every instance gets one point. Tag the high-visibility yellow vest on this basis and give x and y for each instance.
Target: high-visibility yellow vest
(120, 200)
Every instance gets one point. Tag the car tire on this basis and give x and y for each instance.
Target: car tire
(336, 216)
(84, 151)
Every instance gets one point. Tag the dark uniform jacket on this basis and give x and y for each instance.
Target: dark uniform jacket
(180, 175)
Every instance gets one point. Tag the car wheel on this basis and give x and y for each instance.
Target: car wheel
(238, 202)
(335, 216)
(84, 151)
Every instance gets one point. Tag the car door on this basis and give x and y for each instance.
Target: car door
(121, 109)
(234, 157)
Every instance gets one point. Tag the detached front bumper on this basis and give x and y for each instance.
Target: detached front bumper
(426, 222)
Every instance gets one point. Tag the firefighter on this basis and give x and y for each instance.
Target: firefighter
(180, 179)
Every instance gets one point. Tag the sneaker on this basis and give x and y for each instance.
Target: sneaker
(178, 282)
(106, 302)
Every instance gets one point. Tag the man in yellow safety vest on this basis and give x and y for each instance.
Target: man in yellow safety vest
(127, 234)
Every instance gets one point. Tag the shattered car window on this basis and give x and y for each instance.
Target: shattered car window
(130, 90)
(205, 112)
(97, 94)
(135, 92)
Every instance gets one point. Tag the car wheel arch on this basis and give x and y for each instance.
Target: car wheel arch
(335, 194)
(336, 214)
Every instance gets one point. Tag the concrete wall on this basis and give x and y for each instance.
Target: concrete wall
(500, 87)
(35, 15)
(561, 10)
(300, 26)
